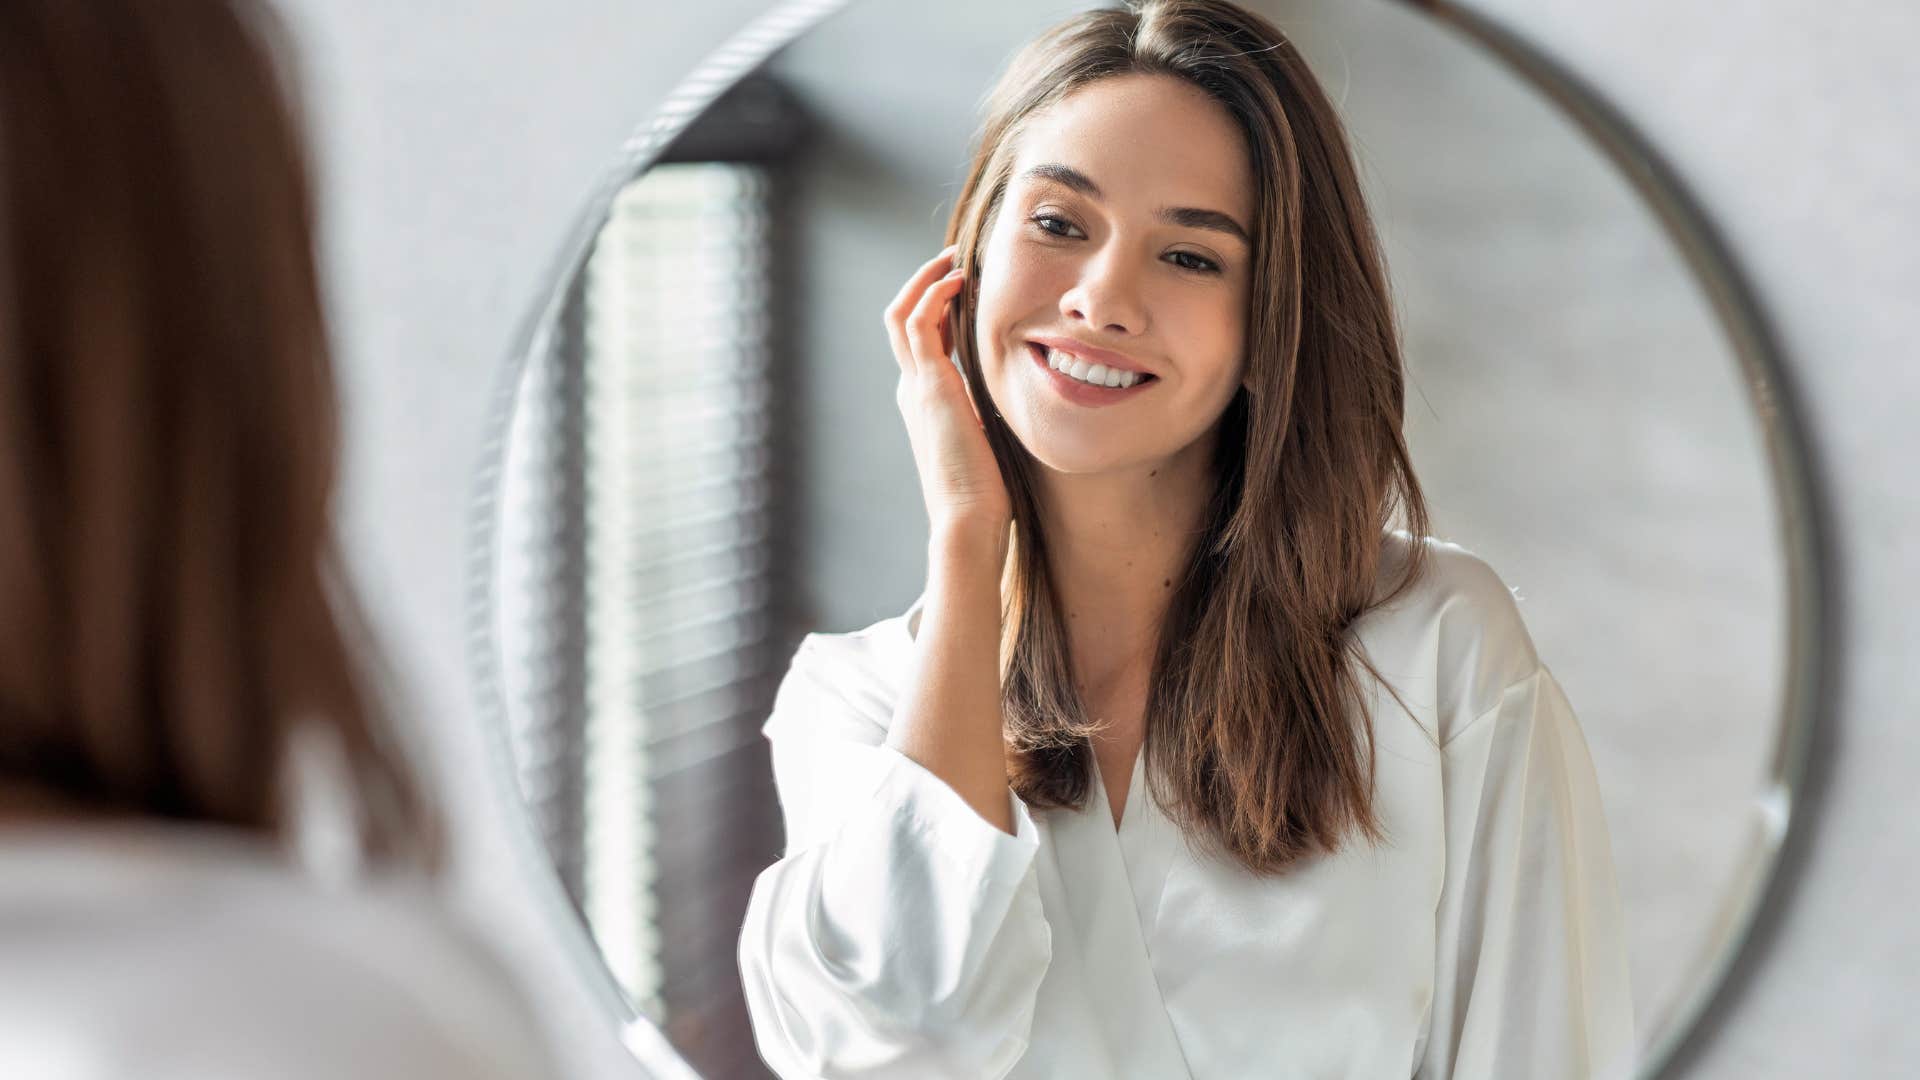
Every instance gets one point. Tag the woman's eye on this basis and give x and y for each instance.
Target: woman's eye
(1042, 221)
(1054, 225)
(1195, 262)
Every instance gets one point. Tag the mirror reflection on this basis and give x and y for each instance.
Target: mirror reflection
(1387, 643)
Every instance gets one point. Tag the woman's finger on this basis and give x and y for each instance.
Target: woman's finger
(908, 298)
(923, 326)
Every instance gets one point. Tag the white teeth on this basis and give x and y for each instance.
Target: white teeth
(1095, 374)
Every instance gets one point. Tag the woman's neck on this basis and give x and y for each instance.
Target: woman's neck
(1117, 546)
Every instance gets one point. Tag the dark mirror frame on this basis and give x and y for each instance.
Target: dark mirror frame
(1751, 912)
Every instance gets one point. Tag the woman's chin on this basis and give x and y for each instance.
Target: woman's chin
(1072, 458)
(1077, 443)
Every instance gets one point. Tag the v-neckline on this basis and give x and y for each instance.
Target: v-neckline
(1133, 786)
(1144, 841)
(1111, 880)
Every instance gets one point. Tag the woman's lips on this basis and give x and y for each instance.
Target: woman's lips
(1081, 393)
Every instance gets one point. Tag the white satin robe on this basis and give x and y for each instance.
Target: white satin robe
(902, 935)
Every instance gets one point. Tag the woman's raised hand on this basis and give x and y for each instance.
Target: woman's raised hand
(948, 714)
(959, 477)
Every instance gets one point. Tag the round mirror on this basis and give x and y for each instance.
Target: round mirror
(698, 460)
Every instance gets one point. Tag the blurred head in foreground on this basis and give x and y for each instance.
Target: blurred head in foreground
(173, 611)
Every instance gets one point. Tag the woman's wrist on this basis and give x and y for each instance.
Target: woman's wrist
(969, 552)
(964, 568)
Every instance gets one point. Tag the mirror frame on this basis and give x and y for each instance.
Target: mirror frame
(1749, 913)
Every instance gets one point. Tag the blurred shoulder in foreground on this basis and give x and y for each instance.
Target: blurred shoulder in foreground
(163, 951)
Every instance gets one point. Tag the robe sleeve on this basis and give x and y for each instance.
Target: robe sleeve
(1531, 967)
(901, 934)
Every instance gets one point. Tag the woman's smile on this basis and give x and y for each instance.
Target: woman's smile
(1080, 389)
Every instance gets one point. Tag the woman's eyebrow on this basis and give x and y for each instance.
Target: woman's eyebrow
(1189, 217)
(1192, 217)
(1066, 175)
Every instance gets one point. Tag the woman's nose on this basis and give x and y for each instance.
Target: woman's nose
(1106, 296)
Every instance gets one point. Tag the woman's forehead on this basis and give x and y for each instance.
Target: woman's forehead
(1139, 139)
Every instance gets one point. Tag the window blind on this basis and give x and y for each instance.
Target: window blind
(647, 593)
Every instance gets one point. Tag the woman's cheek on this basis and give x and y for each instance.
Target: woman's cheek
(1006, 293)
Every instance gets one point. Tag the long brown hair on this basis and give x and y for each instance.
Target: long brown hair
(173, 605)
(1256, 716)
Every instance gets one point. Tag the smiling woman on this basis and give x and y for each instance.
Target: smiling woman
(1370, 841)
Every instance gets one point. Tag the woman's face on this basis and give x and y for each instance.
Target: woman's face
(1125, 237)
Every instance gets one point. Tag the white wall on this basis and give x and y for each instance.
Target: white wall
(458, 140)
